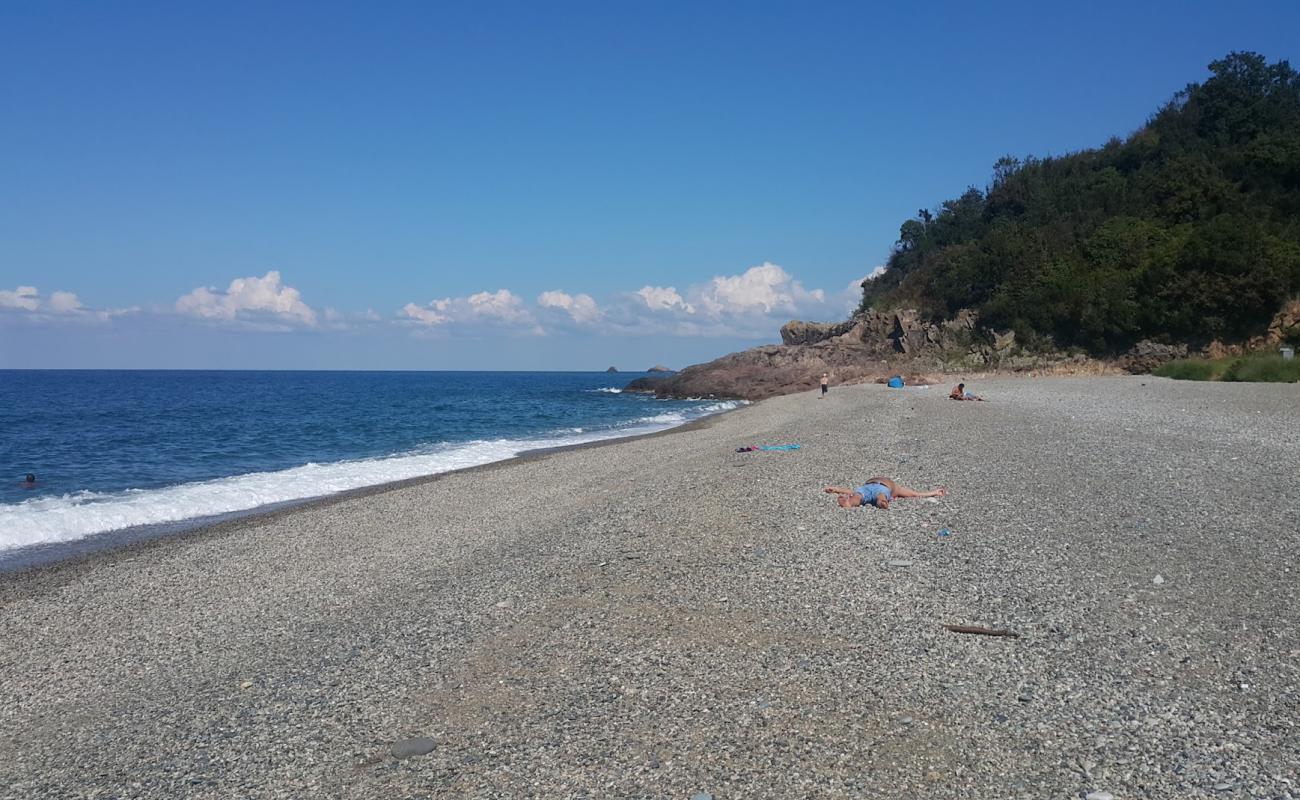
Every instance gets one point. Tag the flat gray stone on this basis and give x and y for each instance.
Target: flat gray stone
(899, 562)
(413, 747)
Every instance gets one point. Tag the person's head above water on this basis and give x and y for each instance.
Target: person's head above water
(31, 478)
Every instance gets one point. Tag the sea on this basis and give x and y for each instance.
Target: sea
(165, 450)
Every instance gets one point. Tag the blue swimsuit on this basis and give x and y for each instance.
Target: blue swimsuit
(871, 491)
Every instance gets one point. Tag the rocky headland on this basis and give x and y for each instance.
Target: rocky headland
(875, 344)
(864, 348)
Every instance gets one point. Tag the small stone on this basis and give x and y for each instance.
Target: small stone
(413, 747)
(1099, 796)
(906, 720)
(899, 562)
(702, 796)
(505, 604)
(246, 685)
(1158, 580)
(1222, 787)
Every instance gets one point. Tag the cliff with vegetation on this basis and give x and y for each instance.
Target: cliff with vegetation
(1182, 238)
(1187, 232)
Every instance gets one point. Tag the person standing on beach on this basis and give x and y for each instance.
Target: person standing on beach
(826, 383)
(879, 492)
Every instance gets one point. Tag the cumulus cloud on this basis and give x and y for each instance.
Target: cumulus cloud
(64, 303)
(501, 304)
(425, 315)
(851, 295)
(765, 288)
(59, 306)
(664, 298)
(24, 298)
(251, 297)
(499, 307)
(581, 308)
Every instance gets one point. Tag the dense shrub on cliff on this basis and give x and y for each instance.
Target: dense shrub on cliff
(1189, 230)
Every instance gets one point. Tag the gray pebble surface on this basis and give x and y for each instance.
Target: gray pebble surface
(669, 618)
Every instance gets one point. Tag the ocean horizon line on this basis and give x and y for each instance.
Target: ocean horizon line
(374, 371)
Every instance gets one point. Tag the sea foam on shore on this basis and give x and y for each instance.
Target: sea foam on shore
(69, 517)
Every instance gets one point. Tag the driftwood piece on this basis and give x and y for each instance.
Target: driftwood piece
(981, 631)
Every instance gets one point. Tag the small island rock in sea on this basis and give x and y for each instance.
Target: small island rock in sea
(612, 369)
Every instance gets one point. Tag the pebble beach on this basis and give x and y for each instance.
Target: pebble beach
(666, 617)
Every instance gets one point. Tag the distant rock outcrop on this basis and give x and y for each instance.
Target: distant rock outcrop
(612, 369)
(870, 345)
(1147, 356)
(1285, 326)
(660, 368)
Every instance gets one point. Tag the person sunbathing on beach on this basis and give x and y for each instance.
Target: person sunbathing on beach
(959, 393)
(878, 492)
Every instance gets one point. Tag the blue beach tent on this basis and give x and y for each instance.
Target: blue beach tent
(896, 382)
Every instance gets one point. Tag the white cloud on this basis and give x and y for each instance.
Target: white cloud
(851, 295)
(25, 298)
(64, 303)
(424, 316)
(256, 297)
(501, 306)
(764, 288)
(60, 305)
(581, 308)
(664, 298)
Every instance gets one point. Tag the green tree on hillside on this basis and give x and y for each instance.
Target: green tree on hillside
(1188, 230)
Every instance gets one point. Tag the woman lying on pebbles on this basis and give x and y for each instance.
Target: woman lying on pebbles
(878, 492)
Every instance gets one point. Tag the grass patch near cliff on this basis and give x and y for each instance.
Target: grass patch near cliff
(1256, 369)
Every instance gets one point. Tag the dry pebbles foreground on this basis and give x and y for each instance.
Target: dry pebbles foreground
(670, 618)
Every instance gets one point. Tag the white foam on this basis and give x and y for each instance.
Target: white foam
(608, 390)
(66, 518)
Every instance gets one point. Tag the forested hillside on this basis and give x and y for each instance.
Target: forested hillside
(1188, 230)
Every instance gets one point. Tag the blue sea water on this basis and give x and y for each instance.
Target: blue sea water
(117, 449)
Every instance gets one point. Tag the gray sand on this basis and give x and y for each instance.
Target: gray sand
(667, 618)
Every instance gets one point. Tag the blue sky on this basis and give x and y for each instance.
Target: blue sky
(521, 185)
